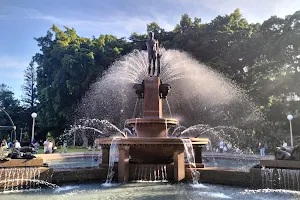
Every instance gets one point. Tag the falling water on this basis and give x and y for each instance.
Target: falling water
(284, 178)
(113, 157)
(169, 107)
(150, 172)
(177, 131)
(212, 153)
(166, 125)
(90, 129)
(22, 178)
(189, 152)
(134, 111)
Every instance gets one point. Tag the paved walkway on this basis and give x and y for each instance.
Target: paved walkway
(54, 156)
(237, 155)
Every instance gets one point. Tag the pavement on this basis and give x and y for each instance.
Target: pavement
(238, 155)
(54, 156)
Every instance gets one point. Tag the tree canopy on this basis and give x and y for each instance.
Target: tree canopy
(261, 58)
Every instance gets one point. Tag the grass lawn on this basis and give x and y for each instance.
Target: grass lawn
(69, 150)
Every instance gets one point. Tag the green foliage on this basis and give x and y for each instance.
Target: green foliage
(12, 106)
(261, 58)
(29, 87)
(67, 66)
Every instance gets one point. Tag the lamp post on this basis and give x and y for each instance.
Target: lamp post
(290, 117)
(21, 134)
(33, 115)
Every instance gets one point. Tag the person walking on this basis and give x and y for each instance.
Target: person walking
(46, 144)
(221, 146)
(261, 149)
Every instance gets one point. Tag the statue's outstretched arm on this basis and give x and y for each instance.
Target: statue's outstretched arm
(134, 40)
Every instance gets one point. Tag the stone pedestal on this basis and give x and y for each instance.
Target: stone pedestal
(123, 165)
(198, 156)
(105, 155)
(179, 166)
(152, 101)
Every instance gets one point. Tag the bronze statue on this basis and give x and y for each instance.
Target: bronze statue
(164, 90)
(153, 53)
(287, 153)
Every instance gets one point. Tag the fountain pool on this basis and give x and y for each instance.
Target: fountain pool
(148, 190)
(78, 162)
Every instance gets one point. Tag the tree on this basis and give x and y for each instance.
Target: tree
(29, 87)
(261, 58)
(67, 65)
(12, 106)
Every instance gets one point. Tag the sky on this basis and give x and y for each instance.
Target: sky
(23, 20)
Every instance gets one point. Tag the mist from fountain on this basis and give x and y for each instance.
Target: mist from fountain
(199, 94)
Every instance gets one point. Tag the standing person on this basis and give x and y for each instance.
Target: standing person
(265, 148)
(50, 146)
(225, 148)
(46, 143)
(221, 146)
(261, 149)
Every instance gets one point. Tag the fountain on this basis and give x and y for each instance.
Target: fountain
(21, 169)
(281, 173)
(157, 153)
(151, 146)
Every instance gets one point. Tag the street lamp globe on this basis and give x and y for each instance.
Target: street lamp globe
(290, 117)
(33, 115)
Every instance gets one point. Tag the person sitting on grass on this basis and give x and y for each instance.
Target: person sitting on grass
(4, 144)
(36, 146)
(17, 144)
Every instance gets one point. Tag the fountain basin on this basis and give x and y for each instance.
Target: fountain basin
(151, 127)
(283, 164)
(150, 150)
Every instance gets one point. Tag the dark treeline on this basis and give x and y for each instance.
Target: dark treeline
(262, 58)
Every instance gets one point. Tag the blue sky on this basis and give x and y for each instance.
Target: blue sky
(22, 20)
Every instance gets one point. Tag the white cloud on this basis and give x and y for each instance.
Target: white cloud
(15, 75)
(117, 22)
(11, 62)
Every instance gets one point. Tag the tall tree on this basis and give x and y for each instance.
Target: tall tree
(29, 87)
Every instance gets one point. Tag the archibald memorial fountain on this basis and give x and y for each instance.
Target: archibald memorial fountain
(148, 153)
(151, 147)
